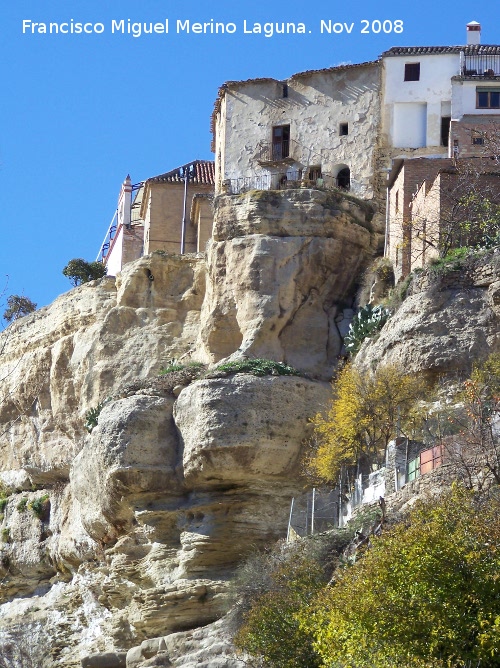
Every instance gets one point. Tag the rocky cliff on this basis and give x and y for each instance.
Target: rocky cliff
(449, 318)
(119, 545)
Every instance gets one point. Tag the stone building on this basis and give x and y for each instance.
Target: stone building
(171, 212)
(429, 200)
(318, 127)
(440, 108)
(347, 127)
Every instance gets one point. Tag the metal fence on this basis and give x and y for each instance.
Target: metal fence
(321, 510)
(313, 512)
(283, 181)
(481, 66)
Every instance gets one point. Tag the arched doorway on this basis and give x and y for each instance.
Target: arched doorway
(344, 178)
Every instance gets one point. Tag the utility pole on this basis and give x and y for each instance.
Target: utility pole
(183, 229)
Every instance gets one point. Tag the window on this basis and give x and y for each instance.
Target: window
(285, 90)
(397, 201)
(412, 72)
(477, 139)
(445, 130)
(343, 129)
(281, 142)
(314, 173)
(487, 98)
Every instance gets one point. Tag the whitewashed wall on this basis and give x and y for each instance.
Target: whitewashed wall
(432, 90)
(317, 103)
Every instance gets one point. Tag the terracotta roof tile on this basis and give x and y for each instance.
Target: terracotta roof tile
(244, 82)
(468, 50)
(200, 171)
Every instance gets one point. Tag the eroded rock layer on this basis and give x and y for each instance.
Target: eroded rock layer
(119, 545)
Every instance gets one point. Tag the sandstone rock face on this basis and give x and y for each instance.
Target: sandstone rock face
(118, 546)
(444, 324)
(310, 247)
(244, 429)
(64, 359)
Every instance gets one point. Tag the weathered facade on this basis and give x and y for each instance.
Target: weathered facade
(434, 97)
(429, 200)
(316, 128)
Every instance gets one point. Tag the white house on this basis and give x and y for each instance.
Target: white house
(432, 96)
(319, 126)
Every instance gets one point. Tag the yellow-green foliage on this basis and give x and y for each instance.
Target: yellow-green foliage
(271, 631)
(427, 594)
(363, 417)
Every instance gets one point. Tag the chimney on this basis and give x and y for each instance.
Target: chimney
(124, 203)
(473, 33)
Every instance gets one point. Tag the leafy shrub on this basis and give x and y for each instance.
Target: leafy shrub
(21, 506)
(40, 506)
(257, 367)
(274, 587)
(17, 307)
(173, 365)
(366, 412)
(368, 321)
(425, 595)
(452, 261)
(6, 535)
(79, 271)
(92, 415)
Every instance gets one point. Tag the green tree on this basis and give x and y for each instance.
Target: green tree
(275, 588)
(366, 411)
(79, 271)
(427, 593)
(17, 307)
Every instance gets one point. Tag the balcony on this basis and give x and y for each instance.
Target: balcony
(277, 153)
(481, 66)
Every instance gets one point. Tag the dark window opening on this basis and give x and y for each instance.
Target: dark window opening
(477, 140)
(281, 142)
(344, 178)
(412, 72)
(314, 173)
(487, 99)
(343, 129)
(445, 130)
(285, 90)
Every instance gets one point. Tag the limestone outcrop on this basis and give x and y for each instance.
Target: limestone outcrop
(118, 546)
(311, 247)
(59, 362)
(446, 321)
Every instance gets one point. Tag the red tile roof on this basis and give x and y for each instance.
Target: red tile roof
(200, 171)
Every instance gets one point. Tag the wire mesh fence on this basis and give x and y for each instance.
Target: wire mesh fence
(313, 512)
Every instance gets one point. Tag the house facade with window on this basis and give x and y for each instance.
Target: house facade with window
(440, 118)
(171, 212)
(440, 100)
(318, 127)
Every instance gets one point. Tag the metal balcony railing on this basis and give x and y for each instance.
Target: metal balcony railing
(481, 66)
(277, 152)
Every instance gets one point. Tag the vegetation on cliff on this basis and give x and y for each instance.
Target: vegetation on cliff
(425, 595)
(426, 592)
(366, 411)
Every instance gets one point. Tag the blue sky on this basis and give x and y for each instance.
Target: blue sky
(79, 112)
